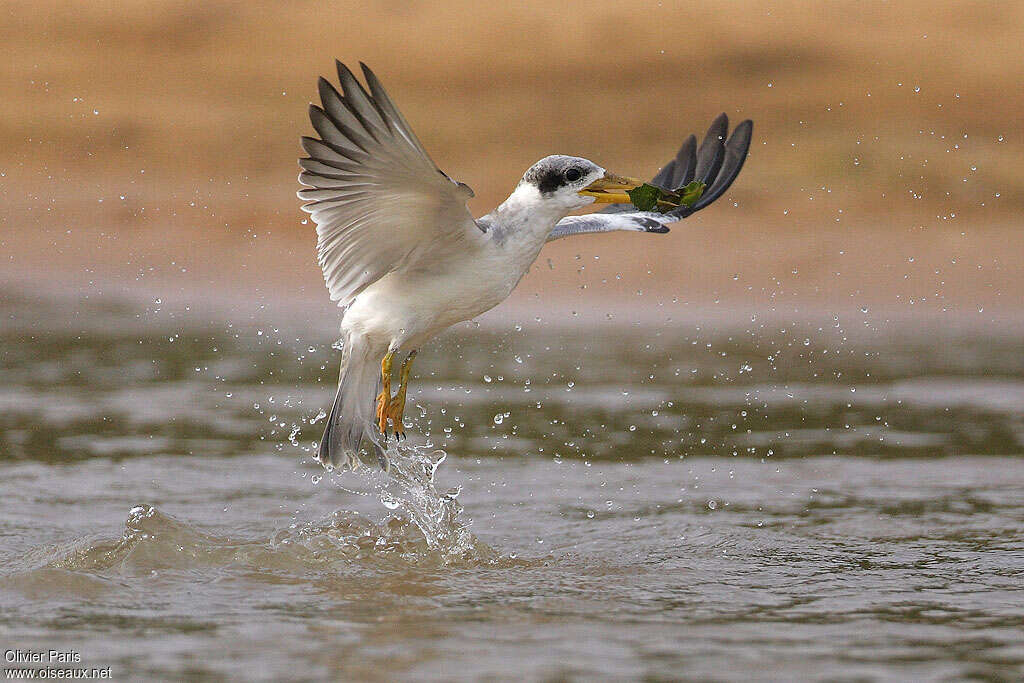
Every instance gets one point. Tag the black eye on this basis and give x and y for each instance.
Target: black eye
(573, 174)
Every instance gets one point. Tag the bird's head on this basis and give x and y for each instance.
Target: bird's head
(568, 183)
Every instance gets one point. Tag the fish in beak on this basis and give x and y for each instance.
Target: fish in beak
(611, 189)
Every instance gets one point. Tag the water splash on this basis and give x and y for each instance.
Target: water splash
(424, 533)
(409, 486)
(423, 526)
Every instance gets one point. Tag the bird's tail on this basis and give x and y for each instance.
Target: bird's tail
(358, 385)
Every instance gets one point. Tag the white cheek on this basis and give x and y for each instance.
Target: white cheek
(576, 200)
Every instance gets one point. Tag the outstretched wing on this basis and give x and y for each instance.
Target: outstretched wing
(378, 200)
(716, 164)
(637, 221)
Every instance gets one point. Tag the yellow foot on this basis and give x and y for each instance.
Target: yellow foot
(391, 409)
(396, 409)
(383, 407)
(384, 397)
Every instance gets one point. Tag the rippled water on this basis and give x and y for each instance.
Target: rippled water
(838, 498)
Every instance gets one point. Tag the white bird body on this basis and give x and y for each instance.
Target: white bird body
(411, 305)
(406, 260)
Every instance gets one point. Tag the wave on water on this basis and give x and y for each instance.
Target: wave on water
(421, 527)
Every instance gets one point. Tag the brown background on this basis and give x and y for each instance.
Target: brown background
(151, 146)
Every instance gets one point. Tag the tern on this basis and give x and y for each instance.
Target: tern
(405, 259)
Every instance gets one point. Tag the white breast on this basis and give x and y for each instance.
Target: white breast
(407, 307)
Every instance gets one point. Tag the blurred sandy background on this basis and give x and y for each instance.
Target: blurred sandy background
(150, 147)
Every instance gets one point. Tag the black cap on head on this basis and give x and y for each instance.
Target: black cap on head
(555, 172)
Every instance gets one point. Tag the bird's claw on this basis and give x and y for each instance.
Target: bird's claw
(390, 410)
(396, 410)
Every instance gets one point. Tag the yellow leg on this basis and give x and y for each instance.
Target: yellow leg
(396, 410)
(384, 397)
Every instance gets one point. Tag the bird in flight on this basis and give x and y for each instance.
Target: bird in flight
(405, 259)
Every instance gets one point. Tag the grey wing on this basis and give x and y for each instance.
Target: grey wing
(716, 163)
(378, 200)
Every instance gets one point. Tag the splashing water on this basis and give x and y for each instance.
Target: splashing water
(422, 527)
(410, 488)
(686, 490)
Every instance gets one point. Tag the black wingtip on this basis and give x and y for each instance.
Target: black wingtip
(717, 163)
(686, 162)
(663, 178)
(748, 127)
(736, 149)
(719, 126)
(712, 150)
(650, 224)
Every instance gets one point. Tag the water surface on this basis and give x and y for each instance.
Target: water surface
(840, 497)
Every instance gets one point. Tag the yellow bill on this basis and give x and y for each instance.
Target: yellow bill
(610, 189)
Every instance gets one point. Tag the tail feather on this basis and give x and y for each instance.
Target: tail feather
(358, 384)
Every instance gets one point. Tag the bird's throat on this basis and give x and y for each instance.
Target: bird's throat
(526, 216)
